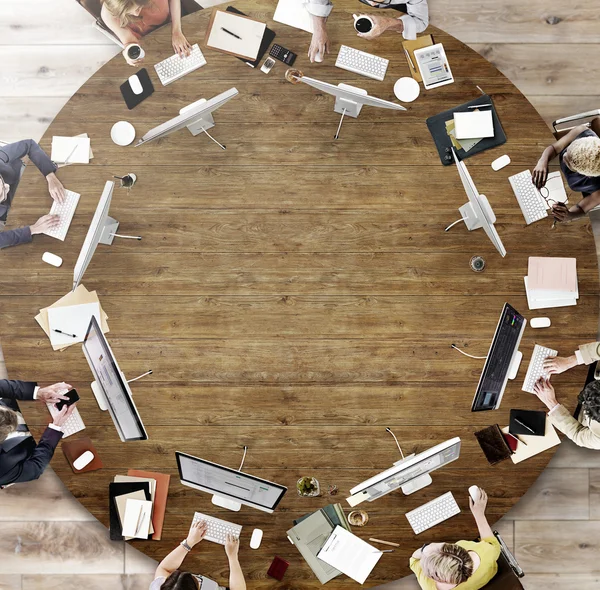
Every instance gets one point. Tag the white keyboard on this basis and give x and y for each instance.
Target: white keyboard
(535, 369)
(362, 63)
(531, 202)
(218, 529)
(176, 67)
(73, 425)
(426, 516)
(65, 212)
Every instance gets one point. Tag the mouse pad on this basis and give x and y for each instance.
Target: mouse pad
(132, 99)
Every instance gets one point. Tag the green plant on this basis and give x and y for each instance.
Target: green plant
(306, 486)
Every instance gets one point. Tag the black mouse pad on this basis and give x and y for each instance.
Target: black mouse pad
(132, 99)
(526, 421)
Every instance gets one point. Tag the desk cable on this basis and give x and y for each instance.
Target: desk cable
(337, 133)
(140, 376)
(397, 443)
(466, 353)
(243, 458)
(211, 137)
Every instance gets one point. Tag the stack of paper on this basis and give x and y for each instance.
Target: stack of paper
(551, 282)
(294, 14)
(71, 150)
(464, 144)
(71, 314)
(474, 124)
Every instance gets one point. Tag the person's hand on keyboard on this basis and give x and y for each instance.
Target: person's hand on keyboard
(60, 418)
(55, 188)
(559, 364)
(45, 223)
(232, 546)
(53, 393)
(381, 24)
(545, 392)
(197, 532)
(180, 44)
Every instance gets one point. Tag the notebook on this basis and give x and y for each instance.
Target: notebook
(160, 498)
(71, 150)
(243, 39)
(137, 518)
(492, 443)
(535, 444)
(474, 125)
(73, 321)
(118, 489)
(268, 38)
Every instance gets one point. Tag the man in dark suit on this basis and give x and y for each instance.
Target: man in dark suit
(20, 458)
(11, 168)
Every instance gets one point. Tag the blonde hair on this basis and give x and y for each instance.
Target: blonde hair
(122, 9)
(584, 156)
(451, 564)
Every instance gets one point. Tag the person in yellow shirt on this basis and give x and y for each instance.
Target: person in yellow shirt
(465, 565)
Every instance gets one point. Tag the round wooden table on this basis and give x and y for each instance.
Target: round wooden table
(293, 293)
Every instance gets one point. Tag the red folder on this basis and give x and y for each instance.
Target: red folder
(160, 498)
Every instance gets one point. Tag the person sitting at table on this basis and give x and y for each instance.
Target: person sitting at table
(584, 432)
(414, 20)
(169, 577)
(585, 355)
(130, 20)
(21, 459)
(466, 565)
(11, 166)
(579, 155)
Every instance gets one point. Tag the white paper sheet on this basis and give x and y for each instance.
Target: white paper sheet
(535, 444)
(72, 320)
(251, 33)
(294, 14)
(133, 525)
(474, 125)
(63, 146)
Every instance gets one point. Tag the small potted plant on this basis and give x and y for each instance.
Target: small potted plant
(308, 487)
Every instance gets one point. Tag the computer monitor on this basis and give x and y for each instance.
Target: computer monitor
(410, 474)
(477, 212)
(110, 387)
(230, 488)
(501, 360)
(349, 100)
(197, 117)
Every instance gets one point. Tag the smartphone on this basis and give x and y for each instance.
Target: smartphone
(73, 397)
(278, 568)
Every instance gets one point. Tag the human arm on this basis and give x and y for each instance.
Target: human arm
(18, 390)
(563, 213)
(180, 43)
(415, 21)
(236, 576)
(27, 147)
(319, 11)
(174, 560)
(581, 435)
(585, 355)
(478, 507)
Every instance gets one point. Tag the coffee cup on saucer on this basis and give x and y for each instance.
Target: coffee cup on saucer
(363, 24)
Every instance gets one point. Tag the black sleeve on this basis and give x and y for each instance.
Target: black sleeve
(20, 390)
(27, 147)
(34, 466)
(14, 237)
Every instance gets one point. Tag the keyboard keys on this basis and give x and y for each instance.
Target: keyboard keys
(362, 63)
(536, 364)
(218, 529)
(73, 425)
(65, 211)
(428, 515)
(531, 202)
(176, 67)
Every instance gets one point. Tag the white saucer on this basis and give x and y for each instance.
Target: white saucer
(122, 133)
(407, 89)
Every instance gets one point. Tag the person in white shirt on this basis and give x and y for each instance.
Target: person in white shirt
(585, 355)
(414, 20)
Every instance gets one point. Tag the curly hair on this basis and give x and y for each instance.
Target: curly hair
(121, 9)
(584, 156)
(451, 564)
(589, 398)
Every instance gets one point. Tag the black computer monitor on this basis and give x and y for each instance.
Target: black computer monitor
(501, 356)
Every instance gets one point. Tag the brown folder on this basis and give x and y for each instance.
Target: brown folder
(160, 498)
(73, 449)
(410, 46)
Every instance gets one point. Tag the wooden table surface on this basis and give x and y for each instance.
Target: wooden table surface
(293, 294)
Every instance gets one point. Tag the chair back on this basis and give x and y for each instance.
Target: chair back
(565, 122)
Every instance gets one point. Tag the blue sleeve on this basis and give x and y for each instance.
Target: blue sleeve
(14, 237)
(27, 147)
(35, 465)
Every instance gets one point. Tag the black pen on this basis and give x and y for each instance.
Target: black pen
(230, 33)
(65, 333)
(524, 425)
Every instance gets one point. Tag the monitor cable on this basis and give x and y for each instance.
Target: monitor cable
(337, 133)
(211, 137)
(467, 354)
(455, 222)
(397, 443)
(140, 376)
(243, 458)
(127, 237)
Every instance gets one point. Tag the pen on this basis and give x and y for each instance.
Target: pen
(523, 425)
(65, 333)
(477, 106)
(230, 33)
(516, 438)
(384, 542)
(410, 61)
(139, 522)
(69, 156)
(384, 551)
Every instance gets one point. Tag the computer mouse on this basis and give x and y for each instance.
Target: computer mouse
(540, 322)
(474, 493)
(256, 538)
(319, 57)
(52, 259)
(83, 460)
(135, 84)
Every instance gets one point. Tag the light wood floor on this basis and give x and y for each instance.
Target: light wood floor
(48, 49)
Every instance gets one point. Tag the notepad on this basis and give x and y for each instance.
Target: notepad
(137, 518)
(72, 320)
(474, 125)
(535, 444)
(243, 39)
(71, 150)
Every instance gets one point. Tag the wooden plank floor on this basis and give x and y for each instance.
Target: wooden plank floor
(48, 49)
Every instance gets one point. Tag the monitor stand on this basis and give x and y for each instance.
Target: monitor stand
(227, 504)
(99, 395)
(108, 231)
(201, 125)
(414, 485)
(470, 217)
(348, 107)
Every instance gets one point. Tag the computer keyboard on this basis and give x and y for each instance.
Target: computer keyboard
(426, 516)
(176, 67)
(73, 425)
(65, 211)
(535, 369)
(362, 63)
(218, 529)
(531, 202)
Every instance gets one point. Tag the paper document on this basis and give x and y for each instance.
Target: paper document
(350, 554)
(137, 518)
(131, 478)
(235, 34)
(474, 124)
(70, 150)
(552, 278)
(535, 444)
(294, 14)
(73, 321)
(121, 502)
(534, 302)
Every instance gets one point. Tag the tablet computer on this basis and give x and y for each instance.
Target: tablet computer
(433, 65)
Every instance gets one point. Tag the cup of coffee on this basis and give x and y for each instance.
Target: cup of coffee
(134, 51)
(128, 180)
(363, 24)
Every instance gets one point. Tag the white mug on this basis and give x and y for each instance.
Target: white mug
(363, 24)
(134, 48)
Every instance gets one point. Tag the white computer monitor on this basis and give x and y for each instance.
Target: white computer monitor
(410, 474)
(110, 386)
(101, 231)
(197, 117)
(230, 488)
(477, 212)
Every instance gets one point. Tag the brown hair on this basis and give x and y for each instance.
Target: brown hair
(179, 580)
(451, 564)
(121, 9)
(8, 422)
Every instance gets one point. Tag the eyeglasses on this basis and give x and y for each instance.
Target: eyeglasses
(545, 194)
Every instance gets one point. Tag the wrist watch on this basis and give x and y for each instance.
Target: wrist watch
(185, 545)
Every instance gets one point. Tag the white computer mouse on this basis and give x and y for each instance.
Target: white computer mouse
(474, 493)
(135, 84)
(52, 259)
(256, 538)
(319, 57)
(83, 460)
(540, 322)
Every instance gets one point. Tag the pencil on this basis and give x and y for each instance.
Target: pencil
(384, 542)
(410, 61)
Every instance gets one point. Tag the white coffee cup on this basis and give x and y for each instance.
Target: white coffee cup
(363, 24)
(134, 51)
